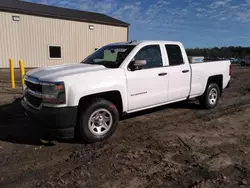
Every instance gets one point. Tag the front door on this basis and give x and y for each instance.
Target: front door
(148, 85)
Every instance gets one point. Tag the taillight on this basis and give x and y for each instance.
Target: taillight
(230, 70)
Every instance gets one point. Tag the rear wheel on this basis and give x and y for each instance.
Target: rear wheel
(98, 121)
(242, 63)
(211, 96)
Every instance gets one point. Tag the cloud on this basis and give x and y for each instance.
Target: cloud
(244, 37)
(104, 6)
(200, 9)
(221, 11)
(129, 12)
(189, 18)
(156, 11)
(223, 18)
(245, 16)
(221, 3)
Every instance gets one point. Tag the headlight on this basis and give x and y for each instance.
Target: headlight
(53, 93)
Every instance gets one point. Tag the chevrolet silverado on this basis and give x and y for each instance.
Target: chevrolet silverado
(87, 99)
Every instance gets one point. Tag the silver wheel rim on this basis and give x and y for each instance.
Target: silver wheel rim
(213, 95)
(100, 122)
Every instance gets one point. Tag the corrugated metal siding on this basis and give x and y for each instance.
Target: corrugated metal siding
(29, 39)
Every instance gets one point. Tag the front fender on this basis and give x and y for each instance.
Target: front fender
(76, 93)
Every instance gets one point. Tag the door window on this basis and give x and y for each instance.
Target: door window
(152, 54)
(174, 55)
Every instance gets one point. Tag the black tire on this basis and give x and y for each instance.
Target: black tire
(85, 132)
(242, 63)
(205, 100)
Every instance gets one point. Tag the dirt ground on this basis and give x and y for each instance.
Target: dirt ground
(172, 146)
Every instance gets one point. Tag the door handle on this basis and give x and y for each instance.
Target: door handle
(162, 74)
(185, 71)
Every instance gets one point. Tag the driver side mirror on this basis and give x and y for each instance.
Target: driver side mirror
(137, 64)
(140, 63)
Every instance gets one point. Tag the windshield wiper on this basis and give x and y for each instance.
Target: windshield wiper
(93, 63)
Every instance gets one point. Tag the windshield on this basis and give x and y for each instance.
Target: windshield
(109, 56)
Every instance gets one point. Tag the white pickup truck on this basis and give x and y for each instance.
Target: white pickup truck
(87, 99)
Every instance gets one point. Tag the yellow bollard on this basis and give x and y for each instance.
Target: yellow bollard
(12, 74)
(21, 65)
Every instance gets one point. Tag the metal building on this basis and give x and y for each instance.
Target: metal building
(44, 35)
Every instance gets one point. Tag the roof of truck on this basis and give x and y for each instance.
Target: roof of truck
(137, 42)
(21, 7)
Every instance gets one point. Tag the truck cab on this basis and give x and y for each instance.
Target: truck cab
(87, 99)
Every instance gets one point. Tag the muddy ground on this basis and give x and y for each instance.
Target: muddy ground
(172, 146)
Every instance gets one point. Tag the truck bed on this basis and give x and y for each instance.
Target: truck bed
(202, 71)
(207, 61)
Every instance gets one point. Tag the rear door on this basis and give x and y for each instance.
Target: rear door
(179, 73)
(147, 86)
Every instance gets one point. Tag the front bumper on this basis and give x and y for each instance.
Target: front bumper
(53, 122)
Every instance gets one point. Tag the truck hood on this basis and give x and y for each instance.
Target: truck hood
(56, 72)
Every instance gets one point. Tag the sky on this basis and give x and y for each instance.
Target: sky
(195, 23)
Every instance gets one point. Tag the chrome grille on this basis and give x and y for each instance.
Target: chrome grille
(33, 92)
(33, 100)
(33, 86)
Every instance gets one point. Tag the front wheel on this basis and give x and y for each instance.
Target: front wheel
(98, 121)
(211, 96)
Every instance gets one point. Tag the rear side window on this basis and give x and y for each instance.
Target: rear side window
(174, 55)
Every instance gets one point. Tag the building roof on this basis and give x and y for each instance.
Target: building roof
(35, 9)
